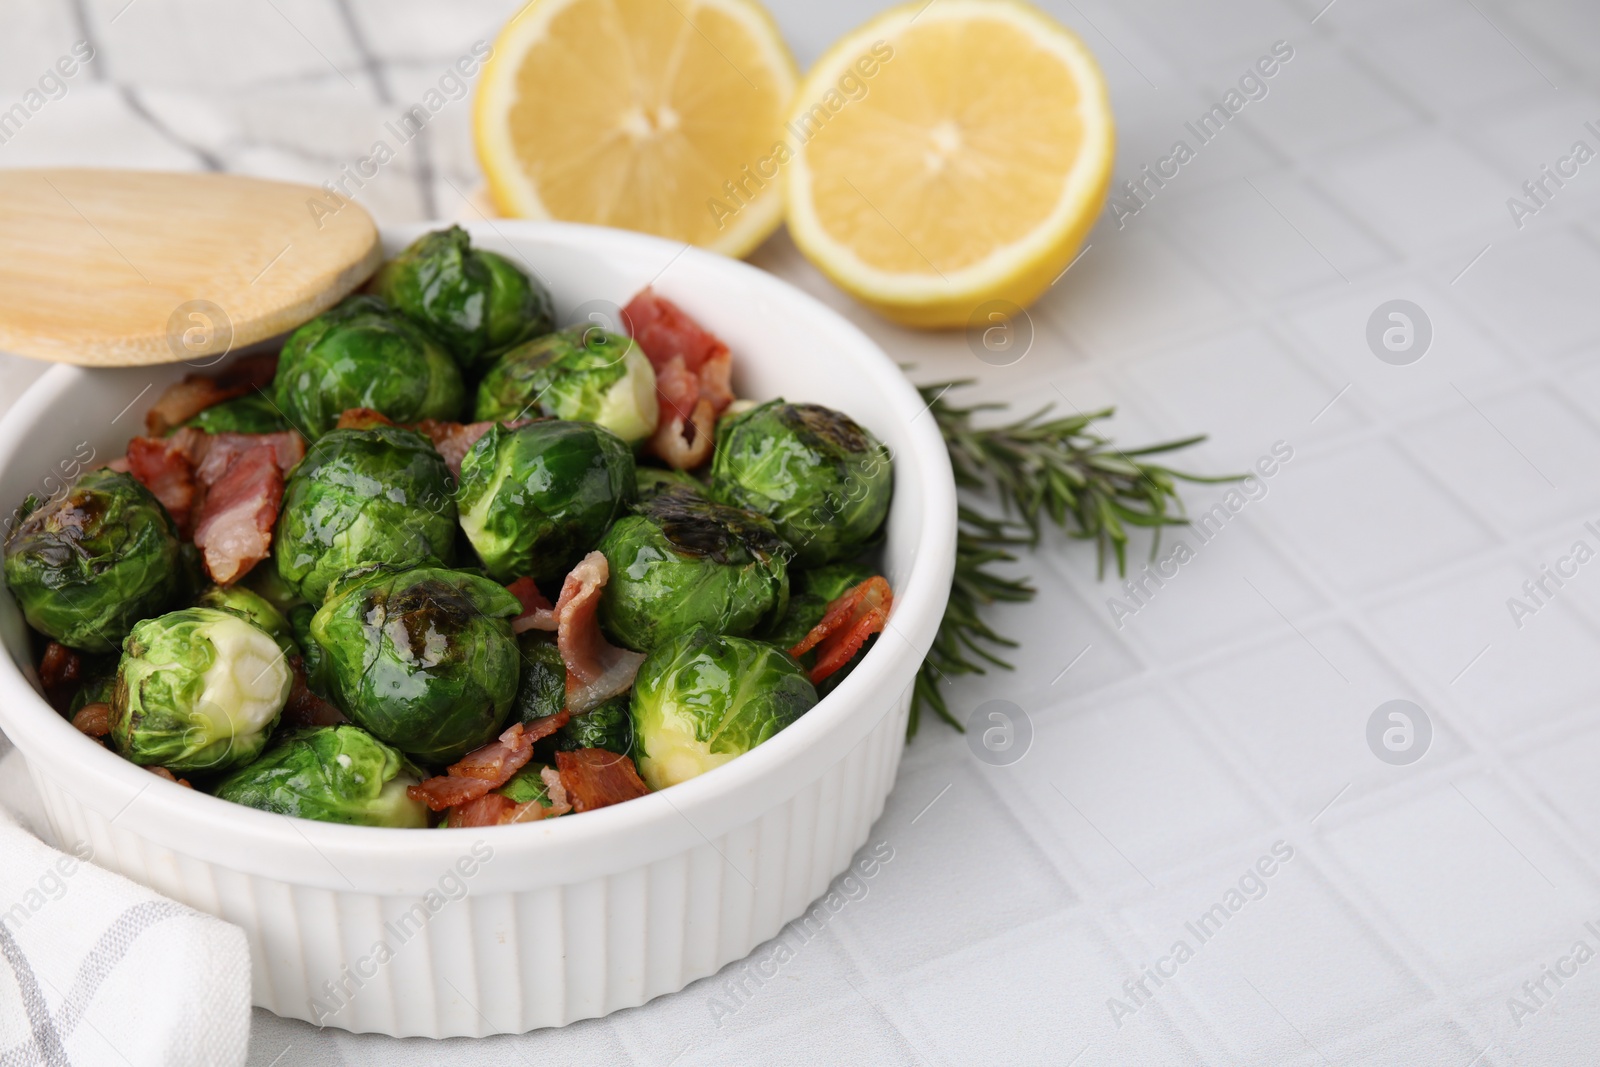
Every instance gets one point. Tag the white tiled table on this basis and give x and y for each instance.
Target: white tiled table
(1230, 712)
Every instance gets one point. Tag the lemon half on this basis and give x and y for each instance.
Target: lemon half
(947, 154)
(652, 115)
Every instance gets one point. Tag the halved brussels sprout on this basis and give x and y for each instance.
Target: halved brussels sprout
(88, 565)
(700, 700)
(252, 608)
(424, 658)
(197, 690)
(336, 774)
(251, 413)
(542, 689)
(822, 479)
(533, 500)
(683, 561)
(580, 373)
(477, 303)
(364, 354)
(382, 495)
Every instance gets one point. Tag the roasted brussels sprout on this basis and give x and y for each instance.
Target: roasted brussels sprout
(333, 774)
(533, 500)
(700, 700)
(609, 726)
(652, 481)
(822, 480)
(197, 690)
(424, 658)
(265, 581)
(86, 566)
(581, 373)
(251, 413)
(683, 561)
(475, 302)
(382, 495)
(542, 689)
(312, 660)
(252, 608)
(364, 354)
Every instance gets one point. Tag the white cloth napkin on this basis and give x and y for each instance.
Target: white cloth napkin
(95, 969)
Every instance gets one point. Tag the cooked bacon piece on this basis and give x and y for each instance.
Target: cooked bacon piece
(537, 612)
(162, 772)
(596, 669)
(93, 719)
(234, 527)
(184, 400)
(692, 377)
(595, 778)
(664, 331)
(304, 707)
(60, 672)
(857, 614)
(454, 439)
(165, 466)
(485, 810)
(120, 464)
(486, 768)
(221, 450)
(362, 419)
(555, 790)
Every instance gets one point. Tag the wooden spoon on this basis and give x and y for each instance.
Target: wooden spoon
(113, 268)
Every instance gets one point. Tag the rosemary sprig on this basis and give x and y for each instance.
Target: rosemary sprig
(1059, 470)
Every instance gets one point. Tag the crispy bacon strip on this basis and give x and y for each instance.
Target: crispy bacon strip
(692, 377)
(595, 778)
(162, 772)
(485, 810)
(537, 612)
(486, 768)
(304, 707)
(596, 669)
(234, 527)
(222, 450)
(857, 614)
(93, 719)
(60, 672)
(184, 400)
(166, 466)
(362, 419)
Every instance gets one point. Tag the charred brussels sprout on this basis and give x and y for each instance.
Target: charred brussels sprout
(425, 658)
(542, 688)
(683, 561)
(363, 354)
(533, 500)
(382, 495)
(700, 700)
(85, 567)
(197, 690)
(475, 302)
(581, 373)
(332, 774)
(822, 480)
(251, 413)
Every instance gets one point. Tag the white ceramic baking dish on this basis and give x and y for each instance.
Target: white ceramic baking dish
(501, 930)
